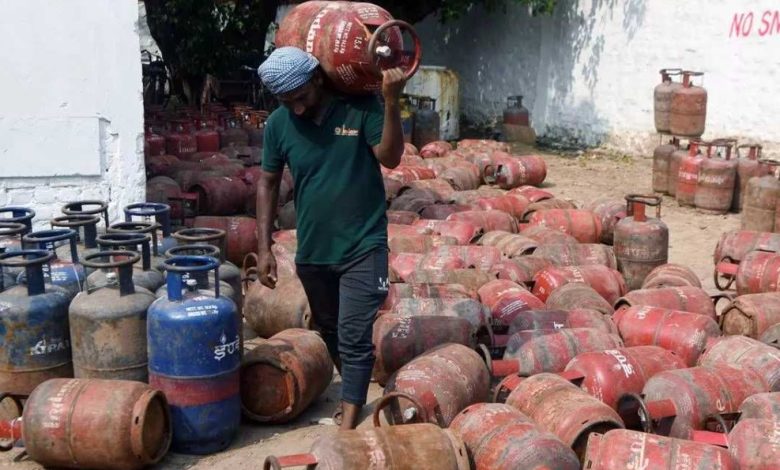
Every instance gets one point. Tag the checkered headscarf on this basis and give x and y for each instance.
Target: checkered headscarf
(287, 69)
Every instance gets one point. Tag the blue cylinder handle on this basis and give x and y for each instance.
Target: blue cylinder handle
(45, 239)
(161, 213)
(32, 261)
(18, 214)
(176, 266)
(138, 227)
(77, 207)
(129, 241)
(122, 260)
(88, 222)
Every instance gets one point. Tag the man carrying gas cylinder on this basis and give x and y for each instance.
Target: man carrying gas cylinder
(333, 145)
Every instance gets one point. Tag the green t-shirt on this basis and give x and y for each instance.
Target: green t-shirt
(339, 192)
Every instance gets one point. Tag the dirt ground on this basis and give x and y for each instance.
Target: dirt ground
(580, 178)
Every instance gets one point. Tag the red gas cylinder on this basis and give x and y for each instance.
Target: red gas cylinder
(515, 113)
(437, 385)
(641, 243)
(610, 212)
(546, 204)
(607, 282)
(180, 142)
(400, 338)
(506, 300)
(717, 178)
(241, 234)
(520, 270)
(471, 279)
(747, 167)
(581, 224)
(688, 175)
(684, 333)
(771, 336)
(671, 275)
(736, 244)
(751, 315)
(354, 42)
(533, 351)
(578, 295)
(563, 409)
(686, 299)
(435, 149)
(471, 196)
(758, 272)
(512, 171)
(398, 291)
(472, 256)
(407, 174)
(761, 405)
(759, 204)
(662, 98)
(513, 205)
(463, 232)
(675, 159)
(662, 157)
(499, 437)
(560, 319)
(532, 193)
(222, 195)
(544, 235)
(161, 189)
(755, 443)
(621, 449)
(487, 220)
(511, 245)
(607, 375)
(688, 109)
(207, 139)
(463, 176)
(583, 254)
(154, 143)
(477, 314)
(745, 352)
(433, 211)
(402, 217)
(677, 402)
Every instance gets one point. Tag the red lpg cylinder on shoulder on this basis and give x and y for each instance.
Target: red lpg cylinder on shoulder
(688, 175)
(353, 41)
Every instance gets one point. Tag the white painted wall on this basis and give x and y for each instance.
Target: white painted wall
(588, 71)
(71, 110)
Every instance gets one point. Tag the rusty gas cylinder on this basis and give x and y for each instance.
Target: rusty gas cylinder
(108, 324)
(471, 196)
(751, 315)
(662, 156)
(662, 98)
(533, 351)
(397, 291)
(676, 402)
(610, 212)
(281, 376)
(222, 195)
(748, 353)
(755, 443)
(472, 256)
(686, 299)
(180, 142)
(472, 279)
(562, 408)
(583, 225)
(512, 205)
(472, 310)
(757, 272)
(717, 177)
(462, 176)
(94, 424)
(511, 245)
(400, 338)
(506, 299)
(675, 159)
(520, 270)
(143, 273)
(463, 232)
(761, 405)
(607, 375)
(512, 171)
(402, 217)
(271, 311)
(545, 235)
(578, 295)
(352, 55)
(418, 243)
(581, 254)
(85, 227)
(437, 385)
(435, 148)
(560, 319)
(684, 333)
(398, 447)
(434, 211)
(760, 201)
(161, 189)
(487, 220)
(532, 193)
(771, 336)
(621, 449)
(671, 275)
(499, 437)
(641, 243)
(688, 108)
(240, 234)
(546, 204)
(606, 281)
(748, 166)
(515, 113)
(688, 175)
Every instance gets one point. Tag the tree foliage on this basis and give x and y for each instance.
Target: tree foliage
(218, 37)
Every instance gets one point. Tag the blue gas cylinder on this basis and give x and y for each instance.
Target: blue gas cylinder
(66, 273)
(11, 240)
(162, 215)
(194, 357)
(34, 332)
